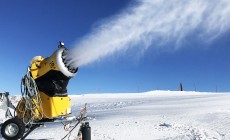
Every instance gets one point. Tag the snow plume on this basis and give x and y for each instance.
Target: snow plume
(148, 23)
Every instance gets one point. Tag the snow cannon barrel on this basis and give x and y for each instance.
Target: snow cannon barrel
(53, 73)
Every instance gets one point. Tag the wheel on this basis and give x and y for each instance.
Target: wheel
(13, 129)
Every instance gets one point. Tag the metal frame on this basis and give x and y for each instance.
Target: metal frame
(36, 124)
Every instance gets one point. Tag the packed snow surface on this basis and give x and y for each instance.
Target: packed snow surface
(155, 115)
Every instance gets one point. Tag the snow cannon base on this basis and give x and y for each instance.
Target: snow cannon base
(14, 128)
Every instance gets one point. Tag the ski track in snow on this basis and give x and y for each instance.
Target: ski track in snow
(156, 115)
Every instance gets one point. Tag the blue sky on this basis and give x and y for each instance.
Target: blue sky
(30, 28)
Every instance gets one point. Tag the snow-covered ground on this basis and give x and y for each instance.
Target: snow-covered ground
(155, 115)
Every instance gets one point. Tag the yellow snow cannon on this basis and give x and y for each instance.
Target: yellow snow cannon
(51, 75)
(44, 97)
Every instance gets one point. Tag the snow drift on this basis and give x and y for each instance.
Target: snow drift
(164, 115)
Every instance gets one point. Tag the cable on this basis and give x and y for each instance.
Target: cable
(31, 98)
(82, 117)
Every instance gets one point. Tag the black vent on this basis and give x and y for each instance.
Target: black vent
(53, 83)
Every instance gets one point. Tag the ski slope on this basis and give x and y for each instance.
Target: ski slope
(155, 115)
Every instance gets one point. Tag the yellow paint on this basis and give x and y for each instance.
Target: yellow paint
(42, 65)
(55, 106)
(49, 107)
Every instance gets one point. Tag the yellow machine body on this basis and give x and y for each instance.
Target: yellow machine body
(40, 65)
(45, 106)
(55, 106)
(49, 107)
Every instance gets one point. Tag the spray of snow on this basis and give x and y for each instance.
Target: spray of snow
(148, 23)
